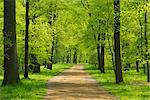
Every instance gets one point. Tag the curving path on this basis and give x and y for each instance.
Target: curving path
(75, 84)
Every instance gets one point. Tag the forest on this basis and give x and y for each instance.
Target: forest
(39, 39)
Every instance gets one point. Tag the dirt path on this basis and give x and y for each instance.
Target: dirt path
(75, 84)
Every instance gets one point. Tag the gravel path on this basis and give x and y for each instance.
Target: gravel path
(75, 84)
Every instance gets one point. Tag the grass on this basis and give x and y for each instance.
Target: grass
(33, 88)
(134, 86)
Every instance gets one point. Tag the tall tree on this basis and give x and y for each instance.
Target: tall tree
(52, 52)
(102, 53)
(118, 67)
(75, 56)
(11, 73)
(26, 40)
(52, 18)
(146, 45)
(98, 52)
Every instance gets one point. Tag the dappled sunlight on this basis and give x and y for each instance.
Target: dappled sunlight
(75, 84)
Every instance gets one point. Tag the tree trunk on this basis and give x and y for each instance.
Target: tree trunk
(102, 59)
(45, 64)
(75, 56)
(67, 57)
(70, 56)
(99, 56)
(146, 45)
(56, 51)
(80, 58)
(99, 53)
(11, 73)
(137, 66)
(35, 66)
(50, 65)
(102, 53)
(26, 40)
(148, 72)
(118, 67)
(52, 52)
(52, 19)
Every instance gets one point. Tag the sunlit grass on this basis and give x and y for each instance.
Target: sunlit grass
(134, 86)
(33, 88)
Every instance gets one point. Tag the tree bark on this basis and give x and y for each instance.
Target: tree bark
(70, 56)
(50, 65)
(102, 53)
(137, 66)
(67, 57)
(26, 40)
(11, 73)
(35, 66)
(118, 66)
(52, 19)
(146, 46)
(98, 56)
(148, 72)
(80, 58)
(98, 51)
(102, 59)
(56, 59)
(75, 56)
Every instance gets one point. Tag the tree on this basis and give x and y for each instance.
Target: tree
(11, 74)
(146, 45)
(118, 67)
(26, 40)
(75, 56)
(102, 54)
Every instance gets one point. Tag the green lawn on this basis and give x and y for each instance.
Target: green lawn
(33, 88)
(134, 87)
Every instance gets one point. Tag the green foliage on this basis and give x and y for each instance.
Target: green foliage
(74, 28)
(72, 25)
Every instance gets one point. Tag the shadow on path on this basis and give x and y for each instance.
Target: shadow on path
(75, 84)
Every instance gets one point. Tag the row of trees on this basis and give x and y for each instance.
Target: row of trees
(41, 46)
(74, 32)
(131, 20)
